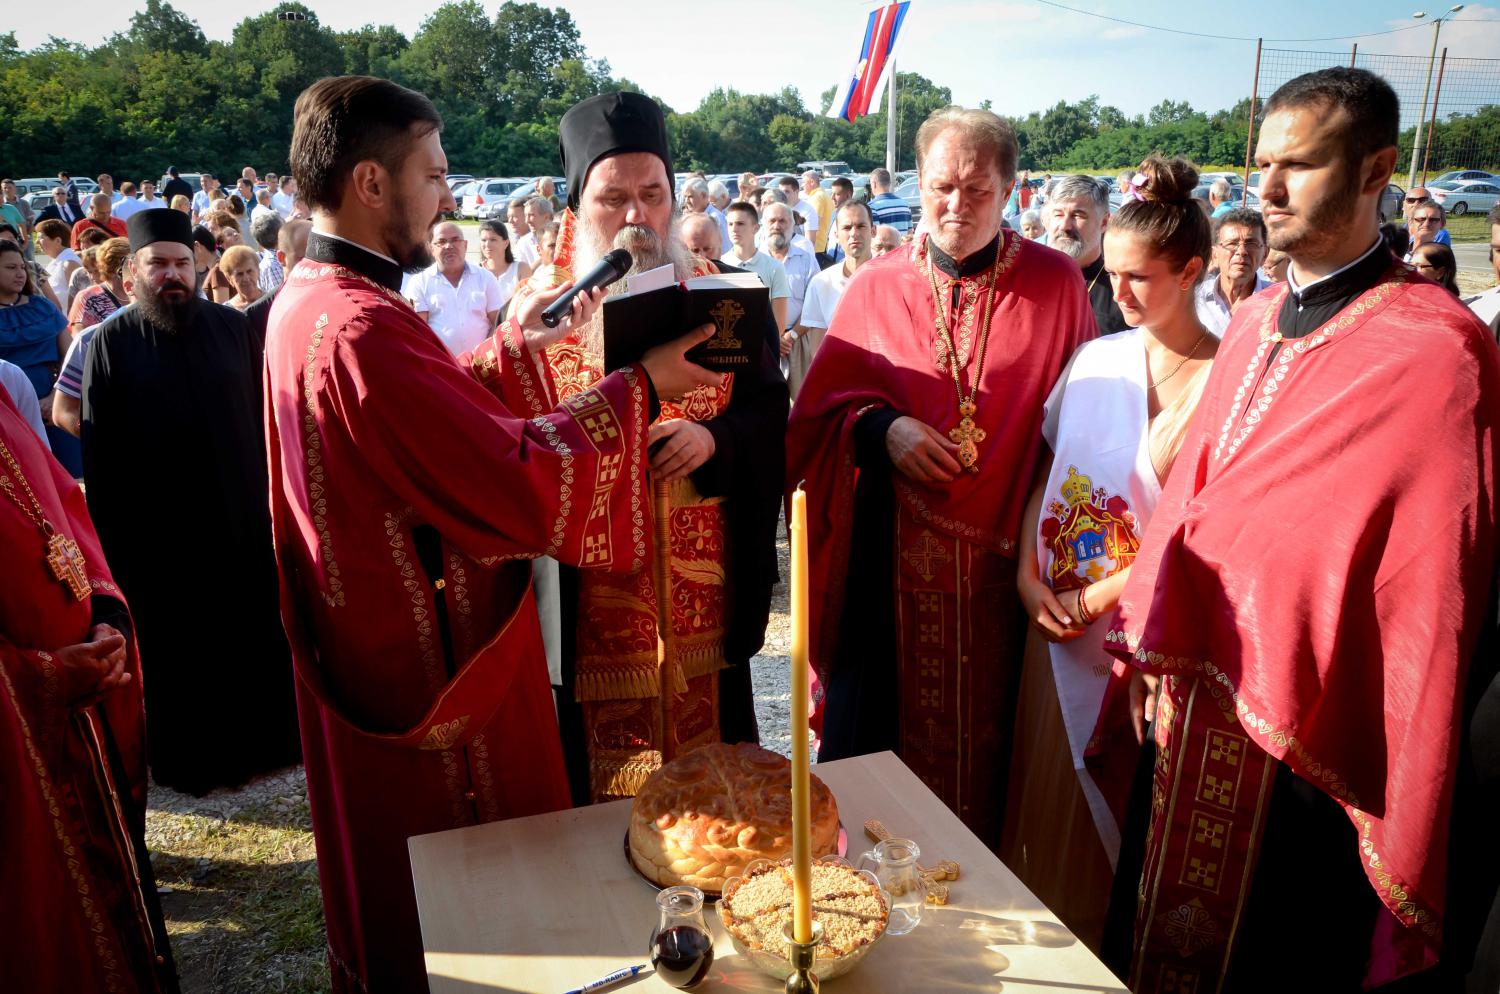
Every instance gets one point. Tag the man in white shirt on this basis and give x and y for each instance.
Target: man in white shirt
(538, 212)
(461, 301)
(262, 206)
(203, 200)
(129, 203)
(285, 199)
(522, 242)
(107, 185)
(853, 231)
(1240, 247)
(793, 193)
(799, 263)
(744, 221)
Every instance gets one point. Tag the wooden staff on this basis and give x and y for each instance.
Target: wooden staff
(661, 494)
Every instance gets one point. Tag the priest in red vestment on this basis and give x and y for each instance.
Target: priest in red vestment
(82, 912)
(409, 490)
(720, 453)
(916, 435)
(1310, 594)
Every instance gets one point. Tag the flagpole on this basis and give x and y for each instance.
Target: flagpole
(890, 121)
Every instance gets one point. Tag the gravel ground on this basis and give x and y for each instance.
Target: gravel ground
(238, 870)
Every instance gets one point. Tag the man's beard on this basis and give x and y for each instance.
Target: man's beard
(777, 242)
(411, 251)
(647, 250)
(1068, 245)
(172, 317)
(1322, 224)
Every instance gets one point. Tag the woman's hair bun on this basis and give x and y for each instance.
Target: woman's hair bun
(1167, 180)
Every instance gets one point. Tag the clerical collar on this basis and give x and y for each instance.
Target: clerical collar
(976, 263)
(1309, 307)
(1337, 282)
(324, 246)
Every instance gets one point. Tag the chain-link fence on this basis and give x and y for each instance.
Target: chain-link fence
(1450, 108)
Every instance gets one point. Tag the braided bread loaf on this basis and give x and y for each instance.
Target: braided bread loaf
(703, 817)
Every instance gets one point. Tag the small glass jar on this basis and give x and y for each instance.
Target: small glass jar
(682, 949)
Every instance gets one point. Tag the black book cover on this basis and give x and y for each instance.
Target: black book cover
(736, 304)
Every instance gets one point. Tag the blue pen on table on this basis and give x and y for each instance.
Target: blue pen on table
(622, 974)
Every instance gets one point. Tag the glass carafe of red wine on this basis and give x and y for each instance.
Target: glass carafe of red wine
(682, 950)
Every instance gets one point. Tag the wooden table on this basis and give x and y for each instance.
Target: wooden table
(548, 903)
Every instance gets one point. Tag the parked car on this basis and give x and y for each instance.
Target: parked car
(1391, 202)
(909, 192)
(456, 180)
(1461, 175)
(771, 179)
(194, 180)
(38, 200)
(528, 188)
(35, 184)
(484, 197)
(461, 190)
(731, 183)
(1251, 200)
(1235, 179)
(828, 167)
(1459, 199)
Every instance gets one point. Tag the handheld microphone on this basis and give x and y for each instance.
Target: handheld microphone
(610, 268)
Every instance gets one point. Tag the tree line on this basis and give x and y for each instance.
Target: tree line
(160, 93)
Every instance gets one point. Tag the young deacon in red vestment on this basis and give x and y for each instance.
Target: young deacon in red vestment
(1310, 593)
(81, 907)
(916, 435)
(408, 492)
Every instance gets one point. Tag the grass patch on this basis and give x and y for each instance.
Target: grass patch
(243, 911)
(1469, 228)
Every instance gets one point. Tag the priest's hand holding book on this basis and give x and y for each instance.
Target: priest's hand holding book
(671, 374)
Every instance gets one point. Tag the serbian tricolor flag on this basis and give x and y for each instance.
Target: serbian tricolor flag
(861, 89)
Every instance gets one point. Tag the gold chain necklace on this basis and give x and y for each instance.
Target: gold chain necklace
(1183, 362)
(967, 435)
(63, 554)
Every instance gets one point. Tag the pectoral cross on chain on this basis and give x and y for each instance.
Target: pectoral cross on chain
(66, 560)
(967, 437)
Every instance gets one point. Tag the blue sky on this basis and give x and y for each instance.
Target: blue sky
(1021, 54)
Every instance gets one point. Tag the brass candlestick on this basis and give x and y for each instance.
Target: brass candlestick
(802, 955)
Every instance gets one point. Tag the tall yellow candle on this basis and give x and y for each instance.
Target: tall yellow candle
(801, 785)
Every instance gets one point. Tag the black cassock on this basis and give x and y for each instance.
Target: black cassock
(175, 469)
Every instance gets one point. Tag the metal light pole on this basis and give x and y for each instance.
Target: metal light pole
(1437, 27)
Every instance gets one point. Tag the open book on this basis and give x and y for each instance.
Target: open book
(735, 303)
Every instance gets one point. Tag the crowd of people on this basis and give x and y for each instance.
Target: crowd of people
(1158, 540)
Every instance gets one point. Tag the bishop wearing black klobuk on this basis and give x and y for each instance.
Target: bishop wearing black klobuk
(175, 468)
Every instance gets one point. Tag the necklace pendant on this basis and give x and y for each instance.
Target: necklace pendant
(967, 410)
(967, 437)
(66, 560)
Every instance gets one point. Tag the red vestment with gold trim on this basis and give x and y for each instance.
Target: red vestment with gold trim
(959, 630)
(409, 491)
(73, 790)
(615, 667)
(1312, 588)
